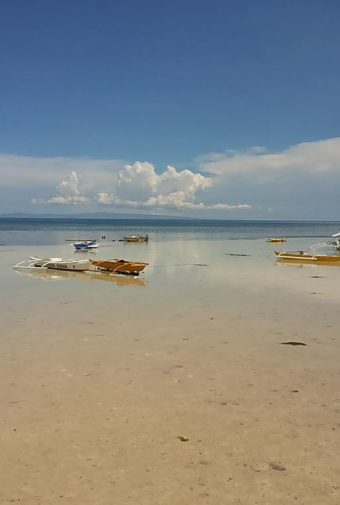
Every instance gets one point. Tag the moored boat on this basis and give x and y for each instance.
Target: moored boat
(336, 243)
(307, 257)
(276, 239)
(120, 266)
(329, 244)
(74, 265)
(136, 238)
(85, 245)
(88, 275)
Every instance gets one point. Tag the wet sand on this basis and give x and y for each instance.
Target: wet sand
(175, 389)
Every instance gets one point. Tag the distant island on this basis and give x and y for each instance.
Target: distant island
(91, 215)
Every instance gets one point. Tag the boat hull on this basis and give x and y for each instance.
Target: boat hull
(120, 266)
(72, 265)
(85, 248)
(136, 238)
(310, 258)
(85, 245)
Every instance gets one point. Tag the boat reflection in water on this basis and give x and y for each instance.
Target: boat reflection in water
(304, 264)
(53, 275)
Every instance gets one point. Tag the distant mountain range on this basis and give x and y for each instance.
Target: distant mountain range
(88, 215)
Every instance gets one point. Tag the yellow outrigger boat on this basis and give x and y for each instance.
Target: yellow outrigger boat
(136, 238)
(276, 239)
(308, 258)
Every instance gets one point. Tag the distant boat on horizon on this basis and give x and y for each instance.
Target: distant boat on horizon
(136, 238)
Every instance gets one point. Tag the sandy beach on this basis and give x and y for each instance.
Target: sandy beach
(174, 388)
(191, 141)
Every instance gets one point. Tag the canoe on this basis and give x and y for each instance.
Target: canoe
(303, 256)
(120, 266)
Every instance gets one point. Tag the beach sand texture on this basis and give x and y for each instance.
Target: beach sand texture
(174, 389)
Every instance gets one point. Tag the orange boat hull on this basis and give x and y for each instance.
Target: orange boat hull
(120, 266)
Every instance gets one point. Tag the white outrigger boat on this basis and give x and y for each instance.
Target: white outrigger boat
(74, 265)
(88, 275)
(334, 244)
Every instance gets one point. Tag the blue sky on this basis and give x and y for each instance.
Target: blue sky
(177, 83)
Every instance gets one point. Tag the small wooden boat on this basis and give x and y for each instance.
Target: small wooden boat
(120, 266)
(136, 238)
(276, 239)
(306, 257)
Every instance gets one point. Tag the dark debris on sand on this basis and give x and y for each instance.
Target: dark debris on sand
(292, 342)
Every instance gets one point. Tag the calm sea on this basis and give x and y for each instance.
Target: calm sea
(47, 231)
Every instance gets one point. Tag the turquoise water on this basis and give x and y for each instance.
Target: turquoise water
(51, 231)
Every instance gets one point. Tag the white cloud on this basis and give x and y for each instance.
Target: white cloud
(139, 181)
(308, 158)
(173, 201)
(300, 182)
(91, 183)
(104, 198)
(139, 186)
(68, 192)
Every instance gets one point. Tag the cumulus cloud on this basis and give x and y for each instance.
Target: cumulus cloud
(68, 192)
(139, 181)
(139, 186)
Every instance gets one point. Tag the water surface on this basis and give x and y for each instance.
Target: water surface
(102, 376)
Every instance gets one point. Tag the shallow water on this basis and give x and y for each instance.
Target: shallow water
(101, 375)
